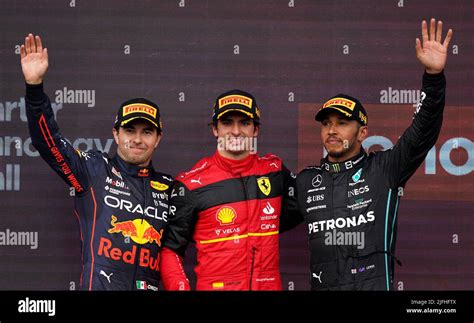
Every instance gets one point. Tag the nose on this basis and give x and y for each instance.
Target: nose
(332, 129)
(235, 131)
(137, 139)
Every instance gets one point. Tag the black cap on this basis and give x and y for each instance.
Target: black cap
(139, 108)
(236, 100)
(346, 105)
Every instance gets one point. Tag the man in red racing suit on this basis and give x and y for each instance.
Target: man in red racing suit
(233, 205)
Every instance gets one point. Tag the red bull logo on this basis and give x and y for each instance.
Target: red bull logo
(146, 259)
(139, 230)
(151, 235)
(143, 172)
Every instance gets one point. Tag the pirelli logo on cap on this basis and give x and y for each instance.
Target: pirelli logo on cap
(349, 104)
(362, 117)
(139, 108)
(235, 99)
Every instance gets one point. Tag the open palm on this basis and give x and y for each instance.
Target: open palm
(34, 60)
(432, 53)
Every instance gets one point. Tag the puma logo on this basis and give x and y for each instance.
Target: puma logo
(318, 277)
(108, 276)
(196, 181)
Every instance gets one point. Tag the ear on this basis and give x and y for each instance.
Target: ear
(115, 133)
(158, 139)
(256, 130)
(214, 130)
(363, 133)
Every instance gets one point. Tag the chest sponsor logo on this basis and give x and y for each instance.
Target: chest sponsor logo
(158, 186)
(315, 198)
(341, 223)
(314, 208)
(139, 230)
(226, 215)
(116, 172)
(121, 204)
(268, 209)
(163, 196)
(358, 191)
(359, 204)
(115, 191)
(264, 185)
(317, 180)
(146, 258)
(323, 188)
(144, 172)
(227, 231)
(116, 183)
(356, 176)
(267, 226)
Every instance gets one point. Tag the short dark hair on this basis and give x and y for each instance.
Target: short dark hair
(117, 127)
(214, 123)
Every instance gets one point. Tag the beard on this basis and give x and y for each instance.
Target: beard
(134, 159)
(339, 154)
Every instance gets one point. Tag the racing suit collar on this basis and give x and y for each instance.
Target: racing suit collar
(132, 170)
(235, 167)
(343, 166)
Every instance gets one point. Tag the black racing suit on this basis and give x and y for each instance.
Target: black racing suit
(122, 209)
(350, 208)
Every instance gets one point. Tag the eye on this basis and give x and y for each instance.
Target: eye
(246, 122)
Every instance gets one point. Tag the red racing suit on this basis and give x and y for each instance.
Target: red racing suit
(234, 211)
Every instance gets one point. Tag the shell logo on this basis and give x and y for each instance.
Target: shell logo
(226, 215)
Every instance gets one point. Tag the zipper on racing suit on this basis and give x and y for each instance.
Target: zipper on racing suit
(254, 249)
(137, 256)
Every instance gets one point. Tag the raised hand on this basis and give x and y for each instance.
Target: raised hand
(432, 53)
(34, 60)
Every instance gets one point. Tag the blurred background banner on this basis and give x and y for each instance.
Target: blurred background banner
(181, 54)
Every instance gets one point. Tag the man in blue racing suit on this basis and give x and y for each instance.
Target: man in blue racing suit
(121, 202)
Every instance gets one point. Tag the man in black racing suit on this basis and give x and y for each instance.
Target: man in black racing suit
(121, 202)
(350, 202)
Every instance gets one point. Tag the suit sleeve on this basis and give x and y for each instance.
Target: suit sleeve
(413, 146)
(290, 216)
(70, 164)
(179, 232)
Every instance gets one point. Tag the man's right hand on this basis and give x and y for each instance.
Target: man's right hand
(34, 60)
